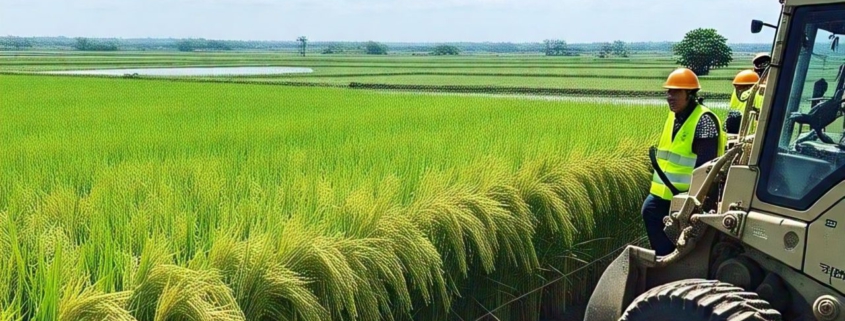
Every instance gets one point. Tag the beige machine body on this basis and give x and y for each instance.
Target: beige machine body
(772, 247)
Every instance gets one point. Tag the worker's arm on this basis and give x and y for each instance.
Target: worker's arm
(706, 141)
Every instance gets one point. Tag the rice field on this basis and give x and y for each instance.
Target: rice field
(150, 199)
(641, 75)
(153, 200)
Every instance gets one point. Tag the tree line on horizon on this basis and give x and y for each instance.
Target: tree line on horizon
(701, 50)
(551, 47)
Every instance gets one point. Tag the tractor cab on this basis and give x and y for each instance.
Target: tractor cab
(771, 248)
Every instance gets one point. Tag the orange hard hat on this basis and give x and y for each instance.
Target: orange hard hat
(682, 78)
(746, 77)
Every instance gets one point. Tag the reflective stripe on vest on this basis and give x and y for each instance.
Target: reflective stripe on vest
(738, 102)
(675, 157)
(674, 178)
(758, 98)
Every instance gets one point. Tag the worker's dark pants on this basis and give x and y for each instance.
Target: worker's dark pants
(654, 209)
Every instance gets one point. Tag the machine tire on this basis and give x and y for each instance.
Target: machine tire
(698, 300)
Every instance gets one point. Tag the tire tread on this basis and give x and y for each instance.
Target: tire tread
(708, 300)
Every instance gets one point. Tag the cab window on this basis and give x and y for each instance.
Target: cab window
(804, 155)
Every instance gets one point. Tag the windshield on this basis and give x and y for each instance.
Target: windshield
(808, 156)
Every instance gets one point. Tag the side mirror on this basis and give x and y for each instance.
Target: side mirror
(756, 26)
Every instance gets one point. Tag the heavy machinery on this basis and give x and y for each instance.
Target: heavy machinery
(770, 247)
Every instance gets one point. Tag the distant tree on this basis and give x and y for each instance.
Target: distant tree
(82, 43)
(202, 44)
(185, 45)
(555, 47)
(703, 49)
(442, 50)
(109, 46)
(605, 50)
(217, 45)
(620, 48)
(333, 49)
(85, 44)
(304, 41)
(375, 48)
(15, 42)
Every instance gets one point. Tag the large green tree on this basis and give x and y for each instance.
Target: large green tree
(703, 49)
(442, 50)
(85, 44)
(605, 50)
(555, 47)
(375, 48)
(620, 48)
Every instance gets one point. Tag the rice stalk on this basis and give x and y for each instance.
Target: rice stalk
(7, 271)
(47, 284)
(320, 258)
(422, 266)
(84, 303)
(18, 280)
(170, 291)
(460, 234)
(537, 187)
(11, 312)
(263, 288)
(154, 253)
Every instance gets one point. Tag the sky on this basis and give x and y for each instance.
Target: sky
(576, 21)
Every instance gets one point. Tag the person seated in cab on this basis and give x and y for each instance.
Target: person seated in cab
(692, 136)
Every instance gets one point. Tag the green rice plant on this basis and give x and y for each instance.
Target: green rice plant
(85, 303)
(574, 180)
(9, 314)
(6, 268)
(316, 258)
(170, 291)
(249, 202)
(263, 288)
(387, 250)
(15, 298)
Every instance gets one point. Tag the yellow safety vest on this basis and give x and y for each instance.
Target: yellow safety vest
(738, 103)
(676, 158)
(758, 101)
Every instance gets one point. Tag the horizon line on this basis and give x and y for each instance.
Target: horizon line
(358, 41)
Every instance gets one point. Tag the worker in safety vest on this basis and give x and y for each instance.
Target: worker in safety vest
(691, 137)
(758, 103)
(742, 83)
(758, 98)
(760, 62)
